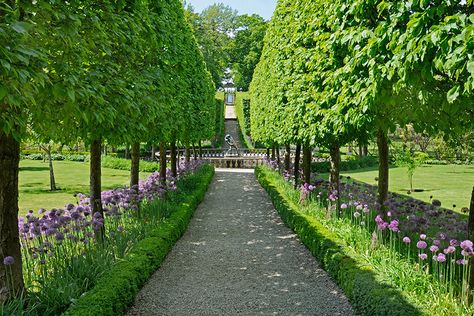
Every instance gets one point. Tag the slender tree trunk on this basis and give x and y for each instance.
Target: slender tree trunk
(297, 165)
(174, 162)
(334, 184)
(95, 177)
(268, 153)
(200, 150)
(188, 154)
(287, 157)
(471, 237)
(127, 151)
(273, 151)
(382, 144)
(307, 156)
(153, 152)
(278, 155)
(135, 165)
(195, 152)
(163, 163)
(52, 180)
(11, 277)
(366, 151)
(360, 151)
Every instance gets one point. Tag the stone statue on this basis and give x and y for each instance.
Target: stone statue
(231, 142)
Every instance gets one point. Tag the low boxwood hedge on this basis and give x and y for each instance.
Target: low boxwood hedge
(346, 165)
(368, 294)
(116, 290)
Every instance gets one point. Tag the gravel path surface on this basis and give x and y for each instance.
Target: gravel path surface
(238, 258)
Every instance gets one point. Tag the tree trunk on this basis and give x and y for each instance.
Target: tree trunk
(273, 152)
(188, 155)
(382, 144)
(11, 277)
(268, 153)
(127, 152)
(153, 152)
(52, 180)
(360, 151)
(174, 162)
(200, 150)
(366, 151)
(195, 152)
(297, 164)
(471, 237)
(334, 184)
(95, 177)
(163, 163)
(307, 155)
(287, 157)
(135, 165)
(278, 155)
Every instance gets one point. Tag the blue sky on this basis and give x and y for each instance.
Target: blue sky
(264, 8)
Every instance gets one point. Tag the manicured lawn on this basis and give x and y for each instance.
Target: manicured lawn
(71, 177)
(451, 184)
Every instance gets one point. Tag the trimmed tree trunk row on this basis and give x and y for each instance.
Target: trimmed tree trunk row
(11, 276)
(174, 162)
(334, 183)
(163, 163)
(287, 157)
(297, 164)
(135, 166)
(382, 144)
(307, 163)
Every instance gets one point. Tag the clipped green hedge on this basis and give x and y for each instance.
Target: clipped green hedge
(116, 290)
(347, 165)
(367, 293)
(125, 164)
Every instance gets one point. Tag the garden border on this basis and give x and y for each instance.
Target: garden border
(361, 284)
(116, 290)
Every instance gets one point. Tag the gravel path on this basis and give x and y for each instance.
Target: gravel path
(238, 258)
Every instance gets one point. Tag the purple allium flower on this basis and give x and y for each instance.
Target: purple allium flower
(343, 206)
(8, 260)
(434, 248)
(393, 226)
(421, 244)
(453, 242)
(441, 257)
(436, 242)
(450, 249)
(59, 236)
(389, 214)
(466, 244)
(422, 236)
(406, 240)
(423, 256)
(442, 236)
(461, 262)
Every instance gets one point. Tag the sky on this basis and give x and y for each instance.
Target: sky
(263, 8)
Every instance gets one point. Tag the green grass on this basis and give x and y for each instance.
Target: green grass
(71, 177)
(451, 184)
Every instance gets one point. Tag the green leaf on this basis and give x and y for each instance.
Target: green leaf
(453, 94)
(21, 27)
(3, 92)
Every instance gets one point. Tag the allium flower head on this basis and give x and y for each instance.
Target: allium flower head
(450, 249)
(422, 236)
(423, 256)
(406, 240)
(8, 260)
(434, 248)
(357, 214)
(466, 244)
(441, 257)
(421, 244)
(343, 206)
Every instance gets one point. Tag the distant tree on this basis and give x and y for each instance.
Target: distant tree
(213, 29)
(246, 48)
